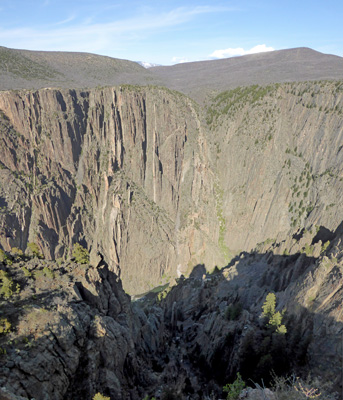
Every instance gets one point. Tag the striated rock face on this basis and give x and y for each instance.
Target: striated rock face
(278, 160)
(124, 171)
(139, 175)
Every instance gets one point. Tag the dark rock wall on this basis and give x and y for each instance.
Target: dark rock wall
(74, 331)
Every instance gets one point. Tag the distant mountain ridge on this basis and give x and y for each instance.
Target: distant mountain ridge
(292, 65)
(24, 69)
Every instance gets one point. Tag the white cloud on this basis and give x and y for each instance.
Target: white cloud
(179, 60)
(65, 21)
(98, 36)
(239, 51)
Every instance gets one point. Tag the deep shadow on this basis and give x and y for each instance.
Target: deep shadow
(193, 341)
(324, 235)
(3, 202)
(251, 347)
(198, 272)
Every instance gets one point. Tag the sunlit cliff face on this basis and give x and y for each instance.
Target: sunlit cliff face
(156, 184)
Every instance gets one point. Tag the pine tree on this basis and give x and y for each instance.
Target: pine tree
(274, 318)
(269, 305)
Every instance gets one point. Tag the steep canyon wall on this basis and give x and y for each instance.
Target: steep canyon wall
(157, 185)
(279, 157)
(124, 171)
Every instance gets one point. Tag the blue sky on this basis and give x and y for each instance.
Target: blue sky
(167, 32)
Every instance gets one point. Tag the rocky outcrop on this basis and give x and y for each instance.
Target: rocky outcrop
(74, 332)
(218, 328)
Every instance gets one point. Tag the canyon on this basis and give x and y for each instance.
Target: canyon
(192, 201)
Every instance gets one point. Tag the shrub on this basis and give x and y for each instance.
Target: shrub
(281, 329)
(5, 258)
(325, 246)
(45, 272)
(16, 252)
(233, 311)
(292, 388)
(27, 273)
(80, 254)
(2, 256)
(234, 389)
(6, 287)
(33, 249)
(99, 396)
(276, 319)
(308, 249)
(48, 273)
(5, 326)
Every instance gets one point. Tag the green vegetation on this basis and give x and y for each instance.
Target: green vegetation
(27, 273)
(275, 318)
(325, 246)
(99, 396)
(46, 272)
(80, 254)
(234, 311)
(24, 67)
(6, 285)
(5, 326)
(308, 250)
(300, 206)
(16, 252)
(269, 305)
(262, 246)
(33, 249)
(234, 389)
(4, 258)
(232, 100)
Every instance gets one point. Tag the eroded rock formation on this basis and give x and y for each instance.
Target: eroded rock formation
(124, 171)
(74, 332)
(137, 174)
